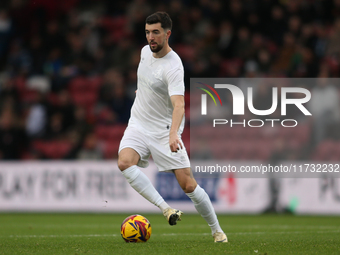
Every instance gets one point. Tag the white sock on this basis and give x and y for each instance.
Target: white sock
(141, 183)
(204, 207)
(163, 206)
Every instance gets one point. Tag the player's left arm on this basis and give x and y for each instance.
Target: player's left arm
(177, 116)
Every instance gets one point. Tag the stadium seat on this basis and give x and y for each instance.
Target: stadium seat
(111, 150)
(302, 133)
(263, 150)
(29, 95)
(201, 131)
(115, 26)
(81, 84)
(185, 51)
(110, 132)
(53, 98)
(224, 150)
(228, 65)
(53, 149)
(326, 150)
(78, 84)
(20, 84)
(86, 99)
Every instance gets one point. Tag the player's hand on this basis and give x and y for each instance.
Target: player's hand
(175, 143)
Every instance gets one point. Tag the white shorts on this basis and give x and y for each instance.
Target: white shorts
(146, 145)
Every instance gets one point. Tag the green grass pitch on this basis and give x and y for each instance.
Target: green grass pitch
(100, 234)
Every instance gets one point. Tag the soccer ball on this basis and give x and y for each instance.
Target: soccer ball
(136, 229)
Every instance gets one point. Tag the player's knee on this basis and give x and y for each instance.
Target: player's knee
(189, 187)
(123, 164)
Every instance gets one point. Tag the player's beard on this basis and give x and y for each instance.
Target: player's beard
(157, 49)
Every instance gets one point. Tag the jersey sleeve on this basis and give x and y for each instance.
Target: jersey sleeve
(175, 80)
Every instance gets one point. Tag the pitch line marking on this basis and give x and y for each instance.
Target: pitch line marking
(170, 234)
(165, 226)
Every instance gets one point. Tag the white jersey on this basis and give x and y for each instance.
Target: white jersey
(158, 80)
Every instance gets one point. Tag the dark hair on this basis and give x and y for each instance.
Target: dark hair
(160, 17)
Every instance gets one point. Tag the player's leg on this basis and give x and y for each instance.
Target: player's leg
(201, 201)
(129, 158)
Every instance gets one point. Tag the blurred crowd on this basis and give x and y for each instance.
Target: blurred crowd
(68, 67)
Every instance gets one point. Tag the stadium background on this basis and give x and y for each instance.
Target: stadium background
(68, 71)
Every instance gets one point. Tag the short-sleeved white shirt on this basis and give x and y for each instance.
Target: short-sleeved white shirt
(158, 80)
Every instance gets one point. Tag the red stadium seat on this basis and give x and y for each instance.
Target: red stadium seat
(29, 95)
(185, 51)
(115, 26)
(86, 99)
(264, 150)
(326, 150)
(20, 84)
(53, 98)
(110, 132)
(82, 84)
(201, 131)
(53, 149)
(228, 65)
(111, 150)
